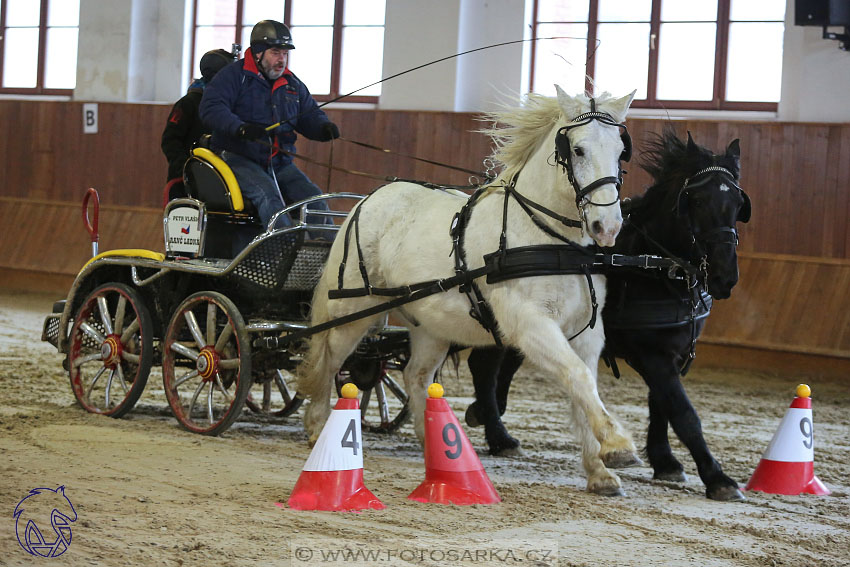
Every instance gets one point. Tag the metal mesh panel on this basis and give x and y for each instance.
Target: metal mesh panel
(307, 268)
(51, 330)
(282, 262)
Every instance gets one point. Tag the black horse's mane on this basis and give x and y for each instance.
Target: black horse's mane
(666, 158)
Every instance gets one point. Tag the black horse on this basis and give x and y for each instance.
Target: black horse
(653, 318)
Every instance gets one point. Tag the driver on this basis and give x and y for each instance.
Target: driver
(247, 97)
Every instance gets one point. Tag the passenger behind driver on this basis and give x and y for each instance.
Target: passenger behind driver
(184, 127)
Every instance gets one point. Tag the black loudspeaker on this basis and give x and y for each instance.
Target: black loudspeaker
(822, 13)
(839, 12)
(811, 12)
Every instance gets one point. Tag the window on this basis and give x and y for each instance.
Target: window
(339, 43)
(713, 54)
(38, 46)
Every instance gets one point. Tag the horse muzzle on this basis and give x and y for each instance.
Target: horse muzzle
(605, 232)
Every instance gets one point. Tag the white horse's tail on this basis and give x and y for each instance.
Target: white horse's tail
(313, 371)
(315, 374)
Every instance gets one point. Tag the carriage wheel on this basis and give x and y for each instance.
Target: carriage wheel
(275, 396)
(206, 363)
(111, 350)
(383, 402)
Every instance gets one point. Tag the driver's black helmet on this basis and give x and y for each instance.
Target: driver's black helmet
(214, 61)
(269, 33)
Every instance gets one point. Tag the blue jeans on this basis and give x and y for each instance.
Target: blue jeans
(258, 186)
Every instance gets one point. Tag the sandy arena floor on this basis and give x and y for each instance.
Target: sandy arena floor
(148, 493)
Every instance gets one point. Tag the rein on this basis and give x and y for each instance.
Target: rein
(486, 175)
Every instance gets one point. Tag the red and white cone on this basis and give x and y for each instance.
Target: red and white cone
(453, 472)
(332, 478)
(787, 466)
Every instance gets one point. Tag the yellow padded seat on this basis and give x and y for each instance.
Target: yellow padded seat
(226, 174)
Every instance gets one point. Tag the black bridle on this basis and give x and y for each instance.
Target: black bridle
(720, 235)
(563, 156)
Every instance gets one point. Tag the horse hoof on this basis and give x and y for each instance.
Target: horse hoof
(621, 459)
(671, 476)
(508, 452)
(472, 416)
(608, 490)
(726, 494)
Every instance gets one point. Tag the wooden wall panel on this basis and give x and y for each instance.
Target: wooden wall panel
(49, 237)
(786, 303)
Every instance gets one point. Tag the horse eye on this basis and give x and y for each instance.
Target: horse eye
(579, 151)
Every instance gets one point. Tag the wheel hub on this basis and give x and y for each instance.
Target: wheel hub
(110, 351)
(207, 364)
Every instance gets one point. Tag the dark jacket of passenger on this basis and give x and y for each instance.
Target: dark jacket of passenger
(183, 129)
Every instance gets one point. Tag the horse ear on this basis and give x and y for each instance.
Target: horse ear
(568, 104)
(734, 149)
(620, 106)
(692, 146)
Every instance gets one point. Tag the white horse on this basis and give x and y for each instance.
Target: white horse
(404, 238)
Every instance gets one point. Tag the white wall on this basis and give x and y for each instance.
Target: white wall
(418, 32)
(130, 50)
(104, 46)
(486, 77)
(134, 51)
(815, 76)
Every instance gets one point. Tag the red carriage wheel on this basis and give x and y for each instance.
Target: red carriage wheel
(206, 363)
(274, 396)
(110, 350)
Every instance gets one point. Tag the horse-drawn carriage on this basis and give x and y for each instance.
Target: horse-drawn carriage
(206, 316)
(523, 270)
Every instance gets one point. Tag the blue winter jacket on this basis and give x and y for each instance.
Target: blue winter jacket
(240, 93)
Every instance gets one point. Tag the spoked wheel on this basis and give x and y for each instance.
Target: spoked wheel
(274, 395)
(110, 350)
(206, 363)
(383, 402)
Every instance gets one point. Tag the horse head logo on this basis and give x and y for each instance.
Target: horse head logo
(40, 504)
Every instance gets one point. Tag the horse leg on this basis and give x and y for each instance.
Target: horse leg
(668, 395)
(492, 369)
(686, 423)
(427, 354)
(316, 373)
(588, 346)
(510, 364)
(599, 434)
(664, 465)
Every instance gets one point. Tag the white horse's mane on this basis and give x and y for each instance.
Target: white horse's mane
(518, 130)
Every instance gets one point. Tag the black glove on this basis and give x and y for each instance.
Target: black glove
(328, 132)
(251, 131)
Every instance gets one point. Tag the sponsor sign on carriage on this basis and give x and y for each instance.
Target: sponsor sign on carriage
(184, 230)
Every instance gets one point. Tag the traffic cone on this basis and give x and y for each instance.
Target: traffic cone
(332, 478)
(787, 466)
(453, 472)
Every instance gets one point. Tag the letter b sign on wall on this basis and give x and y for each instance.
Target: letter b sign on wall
(90, 118)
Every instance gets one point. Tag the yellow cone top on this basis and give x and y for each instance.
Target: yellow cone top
(803, 391)
(435, 390)
(349, 391)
